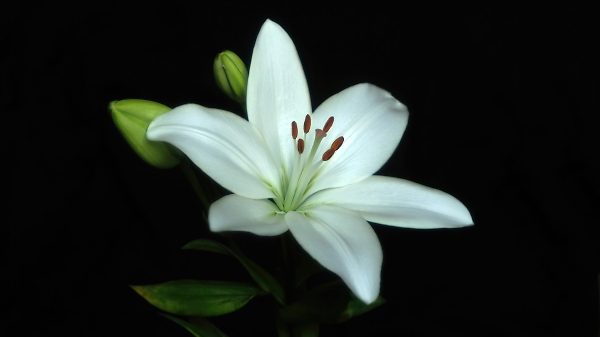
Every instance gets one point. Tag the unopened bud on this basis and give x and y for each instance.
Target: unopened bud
(231, 75)
(132, 117)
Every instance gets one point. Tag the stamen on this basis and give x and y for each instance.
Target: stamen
(328, 124)
(306, 166)
(294, 130)
(328, 154)
(337, 143)
(306, 124)
(300, 146)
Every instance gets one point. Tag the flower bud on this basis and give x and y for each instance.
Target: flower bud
(231, 75)
(132, 117)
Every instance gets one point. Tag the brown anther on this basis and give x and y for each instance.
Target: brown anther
(307, 124)
(320, 133)
(328, 154)
(337, 143)
(328, 124)
(300, 146)
(294, 130)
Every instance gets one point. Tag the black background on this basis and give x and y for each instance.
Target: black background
(504, 116)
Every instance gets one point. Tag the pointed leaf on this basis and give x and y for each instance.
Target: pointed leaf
(198, 298)
(204, 323)
(201, 327)
(209, 246)
(260, 276)
(263, 278)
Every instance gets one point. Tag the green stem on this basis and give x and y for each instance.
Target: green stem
(283, 262)
(288, 261)
(188, 170)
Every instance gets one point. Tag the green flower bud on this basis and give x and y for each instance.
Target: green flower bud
(231, 75)
(132, 117)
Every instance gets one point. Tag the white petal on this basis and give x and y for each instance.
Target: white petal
(343, 242)
(397, 202)
(235, 213)
(371, 122)
(225, 146)
(277, 91)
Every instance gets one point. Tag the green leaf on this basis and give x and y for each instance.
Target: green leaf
(198, 298)
(204, 323)
(322, 304)
(264, 280)
(209, 246)
(202, 327)
(357, 307)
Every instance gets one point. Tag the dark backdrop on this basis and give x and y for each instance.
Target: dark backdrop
(504, 116)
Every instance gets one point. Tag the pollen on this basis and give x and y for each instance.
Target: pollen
(337, 143)
(300, 146)
(328, 124)
(328, 154)
(307, 122)
(294, 130)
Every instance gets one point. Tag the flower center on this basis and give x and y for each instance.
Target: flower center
(305, 166)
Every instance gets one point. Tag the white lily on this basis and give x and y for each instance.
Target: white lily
(316, 182)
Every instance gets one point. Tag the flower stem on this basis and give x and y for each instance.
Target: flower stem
(288, 262)
(189, 173)
(287, 257)
(286, 280)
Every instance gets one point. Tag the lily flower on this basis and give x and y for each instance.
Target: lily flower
(308, 172)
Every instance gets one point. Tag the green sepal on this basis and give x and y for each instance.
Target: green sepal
(198, 298)
(264, 280)
(322, 304)
(201, 327)
(357, 307)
